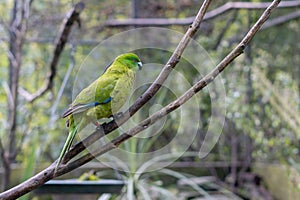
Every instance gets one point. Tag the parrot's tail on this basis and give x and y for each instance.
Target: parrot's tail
(68, 143)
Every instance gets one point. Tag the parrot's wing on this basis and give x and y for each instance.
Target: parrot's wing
(99, 92)
(83, 107)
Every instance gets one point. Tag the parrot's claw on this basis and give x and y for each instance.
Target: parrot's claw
(99, 127)
(118, 115)
(96, 123)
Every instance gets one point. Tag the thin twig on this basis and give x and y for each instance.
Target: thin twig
(53, 116)
(281, 20)
(60, 41)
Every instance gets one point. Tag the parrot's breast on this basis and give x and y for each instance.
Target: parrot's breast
(119, 96)
(122, 91)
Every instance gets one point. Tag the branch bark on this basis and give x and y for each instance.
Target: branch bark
(6, 165)
(48, 173)
(60, 41)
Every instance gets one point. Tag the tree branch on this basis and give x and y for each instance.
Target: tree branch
(60, 41)
(53, 115)
(47, 174)
(186, 21)
(281, 20)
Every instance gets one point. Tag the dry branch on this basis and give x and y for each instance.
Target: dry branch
(60, 41)
(281, 20)
(47, 173)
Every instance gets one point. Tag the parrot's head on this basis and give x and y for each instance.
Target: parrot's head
(131, 60)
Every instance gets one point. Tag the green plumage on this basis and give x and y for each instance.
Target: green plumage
(103, 98)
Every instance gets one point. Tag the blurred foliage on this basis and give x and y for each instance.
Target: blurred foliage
(268, 116)
(285, 175)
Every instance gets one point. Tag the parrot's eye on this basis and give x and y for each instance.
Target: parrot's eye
(140, 64)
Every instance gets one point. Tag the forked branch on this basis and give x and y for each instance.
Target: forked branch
(60, 42)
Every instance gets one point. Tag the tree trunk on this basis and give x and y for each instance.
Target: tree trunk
(16, 35)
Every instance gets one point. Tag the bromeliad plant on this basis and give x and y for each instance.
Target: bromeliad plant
(143, 183)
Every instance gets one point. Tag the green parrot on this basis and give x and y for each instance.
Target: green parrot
(102, 98)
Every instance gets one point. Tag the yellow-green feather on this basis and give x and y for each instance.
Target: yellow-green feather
(116, 82)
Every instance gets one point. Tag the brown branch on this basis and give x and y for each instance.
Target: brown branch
(186, 21)
(5, 162)
(281, 20)
(47, 173)
(60, 41)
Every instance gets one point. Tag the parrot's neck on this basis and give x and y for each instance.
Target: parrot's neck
(118, 68)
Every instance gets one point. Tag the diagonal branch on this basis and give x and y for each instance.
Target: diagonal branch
(60, 41)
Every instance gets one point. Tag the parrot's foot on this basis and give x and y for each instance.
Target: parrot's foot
(117, 115)
(99, 127)
(96, 123)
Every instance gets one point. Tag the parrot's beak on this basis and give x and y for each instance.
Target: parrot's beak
(140, 64)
